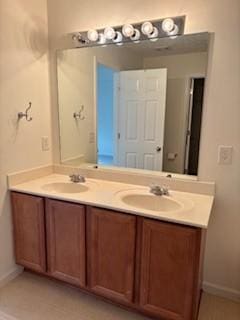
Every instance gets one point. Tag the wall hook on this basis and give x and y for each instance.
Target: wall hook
(25, 115)
(78, 115)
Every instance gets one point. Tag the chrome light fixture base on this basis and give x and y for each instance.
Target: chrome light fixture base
(146, 30)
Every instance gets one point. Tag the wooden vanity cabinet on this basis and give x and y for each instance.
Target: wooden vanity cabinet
(111, 249)
(151, 266)
(170, 273)
(66, 251)
(29, 231)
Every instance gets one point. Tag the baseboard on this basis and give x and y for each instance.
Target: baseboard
(10, 276)
(221, 291)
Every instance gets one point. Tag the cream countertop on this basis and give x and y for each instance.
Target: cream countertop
(107, 194)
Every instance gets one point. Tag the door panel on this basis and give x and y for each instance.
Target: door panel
(168, 263)
(111, 254)
(66, 241)
(141, 117)
(29, 231)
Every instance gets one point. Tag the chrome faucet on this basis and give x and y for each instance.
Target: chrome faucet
(76, 178)
(159, 190)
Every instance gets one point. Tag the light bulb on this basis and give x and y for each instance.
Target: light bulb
(136, 36)
(168, 25)
(174, 32)
(101, 38)
(109, 33)
(147, 28)
(92, 35)
(118, 37)
(128, 30)
(154, 34)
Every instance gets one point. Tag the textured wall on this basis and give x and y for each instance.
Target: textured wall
(23, 78)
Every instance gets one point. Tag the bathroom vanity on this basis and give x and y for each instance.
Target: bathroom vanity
(143, 259)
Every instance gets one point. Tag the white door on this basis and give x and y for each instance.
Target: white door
(141, 112)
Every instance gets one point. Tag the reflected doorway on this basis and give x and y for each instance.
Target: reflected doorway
(105, 112)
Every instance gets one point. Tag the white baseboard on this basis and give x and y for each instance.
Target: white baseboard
(221, 291)
(10, 276)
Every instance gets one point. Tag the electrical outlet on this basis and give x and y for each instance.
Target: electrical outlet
(45, 144)
(91, 137)
(225, 154)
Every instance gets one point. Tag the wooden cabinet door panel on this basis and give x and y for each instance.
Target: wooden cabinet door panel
(168, 263)
(66, 241)
(29, 231)
(111, 254)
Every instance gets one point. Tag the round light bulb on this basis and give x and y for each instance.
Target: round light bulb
(168, 25)
(128, 30)
(154, 34)
(109, 33)
(102, 39)
(136, 35)
(147, 28)
(118, 37)
(92, 35)
(174, 32)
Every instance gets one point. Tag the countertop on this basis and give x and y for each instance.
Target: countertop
(107, 194)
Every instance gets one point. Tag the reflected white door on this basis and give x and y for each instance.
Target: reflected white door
(142, 102)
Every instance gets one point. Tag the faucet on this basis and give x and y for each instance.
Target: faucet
(76, 178)
(159, 190)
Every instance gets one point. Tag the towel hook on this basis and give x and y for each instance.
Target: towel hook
(78, 115)
(25, 114)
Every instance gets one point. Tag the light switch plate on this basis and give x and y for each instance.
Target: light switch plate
(225, 154)
(45, 144)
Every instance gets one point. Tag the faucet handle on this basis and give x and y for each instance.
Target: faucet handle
(165, 190)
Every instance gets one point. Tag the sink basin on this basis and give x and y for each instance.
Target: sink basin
(65, 187)
(151, 202)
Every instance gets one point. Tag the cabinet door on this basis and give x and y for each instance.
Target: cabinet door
(29, 231)
(66, 241)
(170, 257)
(111, 254)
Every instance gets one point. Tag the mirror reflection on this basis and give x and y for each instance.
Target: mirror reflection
(138, 105)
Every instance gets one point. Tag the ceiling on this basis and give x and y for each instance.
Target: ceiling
(197, 42)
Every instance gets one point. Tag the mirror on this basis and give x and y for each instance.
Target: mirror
(138, 105)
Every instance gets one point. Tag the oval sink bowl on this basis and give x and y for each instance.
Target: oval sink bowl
(65, 187)
(151, 202)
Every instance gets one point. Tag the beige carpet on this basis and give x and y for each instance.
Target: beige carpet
(30, 297)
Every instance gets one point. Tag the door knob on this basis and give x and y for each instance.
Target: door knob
(158, 149)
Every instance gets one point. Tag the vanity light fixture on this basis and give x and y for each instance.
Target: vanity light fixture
(109, 33)
(136, 32)
(128, 30)
(136, 36)
(77, 37)
(169, 26)
(102, 39)
(118, 38)
(92, 35)
(147, 28)
(153, 36)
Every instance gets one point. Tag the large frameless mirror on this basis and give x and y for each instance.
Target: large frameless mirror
(138, 105)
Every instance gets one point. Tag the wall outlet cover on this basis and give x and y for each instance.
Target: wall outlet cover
(225, 154)
(45, 144)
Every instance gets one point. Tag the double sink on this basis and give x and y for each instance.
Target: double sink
(138, 198)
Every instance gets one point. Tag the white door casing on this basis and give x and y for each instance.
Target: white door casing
(141, 113)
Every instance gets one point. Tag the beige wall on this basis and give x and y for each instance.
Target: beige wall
(76, 87)
(181, 67)
(221, 124)
(23, 78)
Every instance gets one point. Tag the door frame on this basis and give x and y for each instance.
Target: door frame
(192, 78)
(97, 62)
